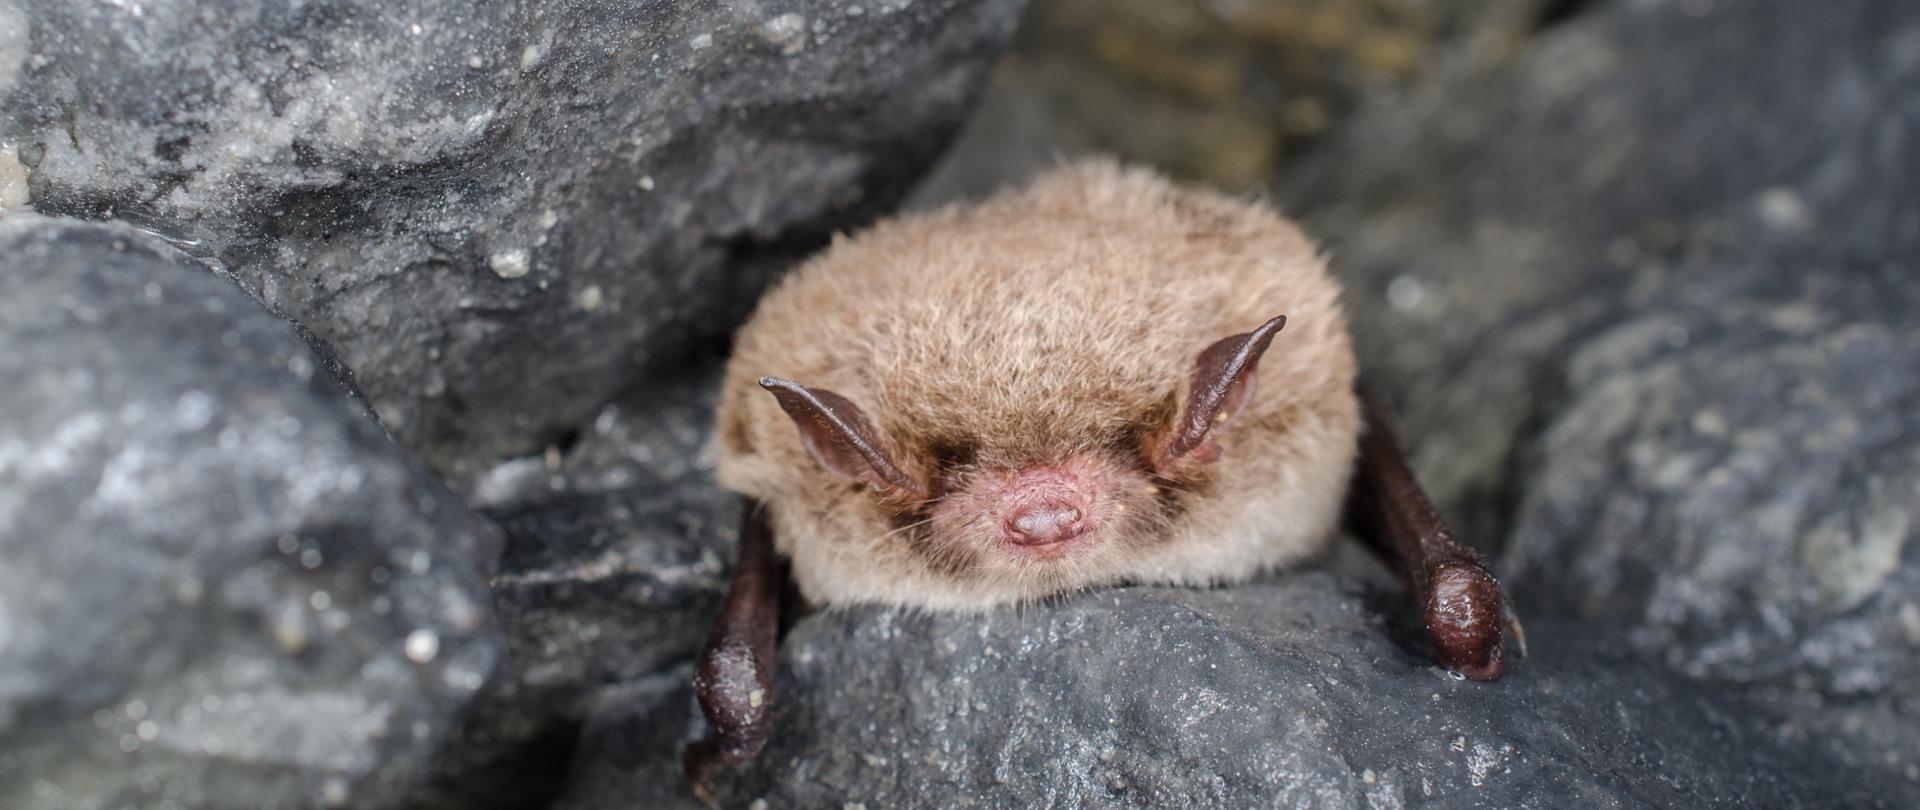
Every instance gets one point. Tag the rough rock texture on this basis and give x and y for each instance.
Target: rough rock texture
(500, 213)
(1656, 338)
(221, 584)
(1291, 693)
(616, 562)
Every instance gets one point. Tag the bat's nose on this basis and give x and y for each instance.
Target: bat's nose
(1045, 523)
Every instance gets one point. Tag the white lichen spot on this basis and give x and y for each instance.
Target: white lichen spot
(509, 263)
(645, 182)
(464, 679)
(1910, 623)
(1368, 776)
(422, 645)
(1480, 763)
(13, 43)
(701, 42)
(336, 620)
(548, 219)
(788, 32)
(531, 56)
(1782, 209)
(1406, 293)
(13, 179)
(756, 697)
(290, 633)
(334, 792)
(194, 410)
(591, 298)
(1711, 422)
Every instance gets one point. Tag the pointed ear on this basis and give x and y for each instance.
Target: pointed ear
(840, 437)
(1223, 382)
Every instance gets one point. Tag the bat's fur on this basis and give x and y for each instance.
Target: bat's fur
(1058, 324)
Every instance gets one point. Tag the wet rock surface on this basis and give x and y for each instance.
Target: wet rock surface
(500, 214)
(1291, 693)
(221, 584)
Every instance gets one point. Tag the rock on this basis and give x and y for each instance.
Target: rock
(1222, 93)
(1283, 693)
(1738, 476)
(221, 584)
(501, 215)
(1653, 339)
(617, 556)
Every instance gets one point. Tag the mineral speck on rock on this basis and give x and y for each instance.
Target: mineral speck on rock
(13, 179)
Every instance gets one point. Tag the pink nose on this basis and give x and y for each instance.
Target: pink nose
(1044, 524)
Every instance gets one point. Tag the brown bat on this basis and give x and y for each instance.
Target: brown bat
(1099, 379)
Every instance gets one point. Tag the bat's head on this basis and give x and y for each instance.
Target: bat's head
(1025, 514)
(1047, 391)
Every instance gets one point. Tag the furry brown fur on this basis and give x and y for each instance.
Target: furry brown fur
(1054, 325)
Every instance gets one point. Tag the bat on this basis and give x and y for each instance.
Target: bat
(1101, 378)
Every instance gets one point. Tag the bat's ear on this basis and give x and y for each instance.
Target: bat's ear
(1222, 384)
(841, 438)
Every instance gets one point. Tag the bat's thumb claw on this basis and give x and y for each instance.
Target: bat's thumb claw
(696, 763)
(1519, 633)
(1464, 616)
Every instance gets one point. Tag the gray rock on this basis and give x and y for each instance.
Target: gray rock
(1653, 339)
(617, 553)
(1738, 477)
(500, 214)
(1219, 92)
(1289, 693)
(221, 584)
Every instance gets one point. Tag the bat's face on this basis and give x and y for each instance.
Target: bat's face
(1027, 520)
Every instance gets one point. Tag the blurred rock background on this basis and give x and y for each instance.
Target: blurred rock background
(1633, 275)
